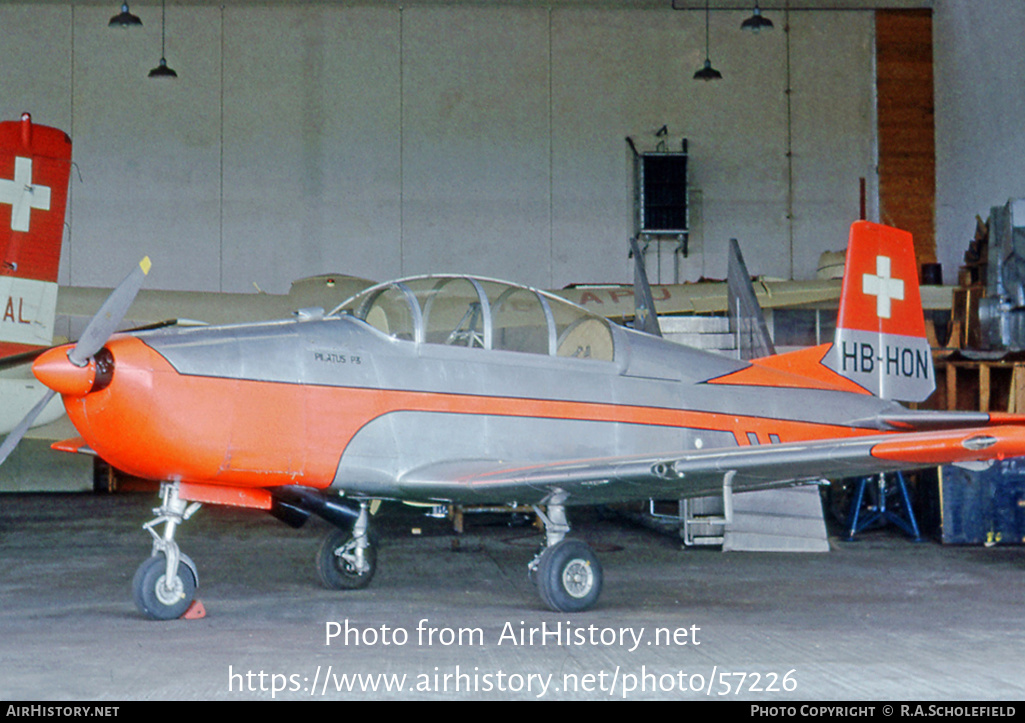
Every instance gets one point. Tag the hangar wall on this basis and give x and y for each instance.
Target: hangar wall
(381, 141)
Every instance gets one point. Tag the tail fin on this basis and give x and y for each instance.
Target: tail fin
(747, 322)
(880, 341)
(35, 165)
(645, 315)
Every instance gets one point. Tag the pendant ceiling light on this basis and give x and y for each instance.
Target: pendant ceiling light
(757, 22)
(124, 19)
(162, 70)
(707, 72)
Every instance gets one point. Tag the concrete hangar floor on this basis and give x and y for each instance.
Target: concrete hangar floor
(454, 616)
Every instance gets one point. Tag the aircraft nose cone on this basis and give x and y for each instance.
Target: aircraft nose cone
(55, 370)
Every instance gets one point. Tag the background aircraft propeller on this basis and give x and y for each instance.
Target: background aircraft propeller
(100, 328)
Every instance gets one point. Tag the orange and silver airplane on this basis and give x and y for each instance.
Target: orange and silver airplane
(459, 390)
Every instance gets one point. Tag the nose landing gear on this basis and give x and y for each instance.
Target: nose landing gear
(165, 584)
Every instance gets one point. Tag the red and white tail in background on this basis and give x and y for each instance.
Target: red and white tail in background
(35, 166)
(880, 341)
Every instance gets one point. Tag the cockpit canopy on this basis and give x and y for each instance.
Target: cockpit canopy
(481, 314)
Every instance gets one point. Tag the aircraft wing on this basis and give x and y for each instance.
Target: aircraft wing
(702, 473)
(705, 297)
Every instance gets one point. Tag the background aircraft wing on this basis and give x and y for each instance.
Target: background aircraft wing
(703, 472)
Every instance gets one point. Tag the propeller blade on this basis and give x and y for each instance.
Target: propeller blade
(110, 315)
(23, 426)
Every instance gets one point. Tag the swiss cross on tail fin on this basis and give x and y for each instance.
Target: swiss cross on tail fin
(35, 165)
(880, 340)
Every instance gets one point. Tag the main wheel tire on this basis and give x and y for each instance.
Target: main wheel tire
(158, 601)
(569, 577)
(338, 573)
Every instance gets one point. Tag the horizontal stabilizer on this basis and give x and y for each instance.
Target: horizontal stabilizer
(920, 421)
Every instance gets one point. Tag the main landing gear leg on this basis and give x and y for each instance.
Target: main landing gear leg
(165, 584)
(567, 573)
(347, 560)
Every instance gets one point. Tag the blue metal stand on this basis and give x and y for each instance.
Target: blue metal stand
(872, 492)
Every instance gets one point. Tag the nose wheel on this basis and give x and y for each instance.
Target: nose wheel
(165, 584)
(160, 596)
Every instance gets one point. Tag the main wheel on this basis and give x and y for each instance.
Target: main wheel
(569, 576)
(336, 562)
(158, 600)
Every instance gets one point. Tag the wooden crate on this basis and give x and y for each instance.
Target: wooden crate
(978, 386)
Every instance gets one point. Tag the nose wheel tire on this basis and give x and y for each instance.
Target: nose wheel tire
(338, 565)
(569, 576)
(155, 597)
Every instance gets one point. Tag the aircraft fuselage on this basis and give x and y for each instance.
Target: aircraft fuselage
(334, 402)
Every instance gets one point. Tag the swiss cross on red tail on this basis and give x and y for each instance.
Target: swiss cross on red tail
(880, 340)
(35, 165)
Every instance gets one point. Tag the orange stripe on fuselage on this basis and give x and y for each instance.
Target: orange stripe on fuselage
(155, 423)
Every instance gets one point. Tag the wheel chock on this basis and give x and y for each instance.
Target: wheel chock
(195, 611)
